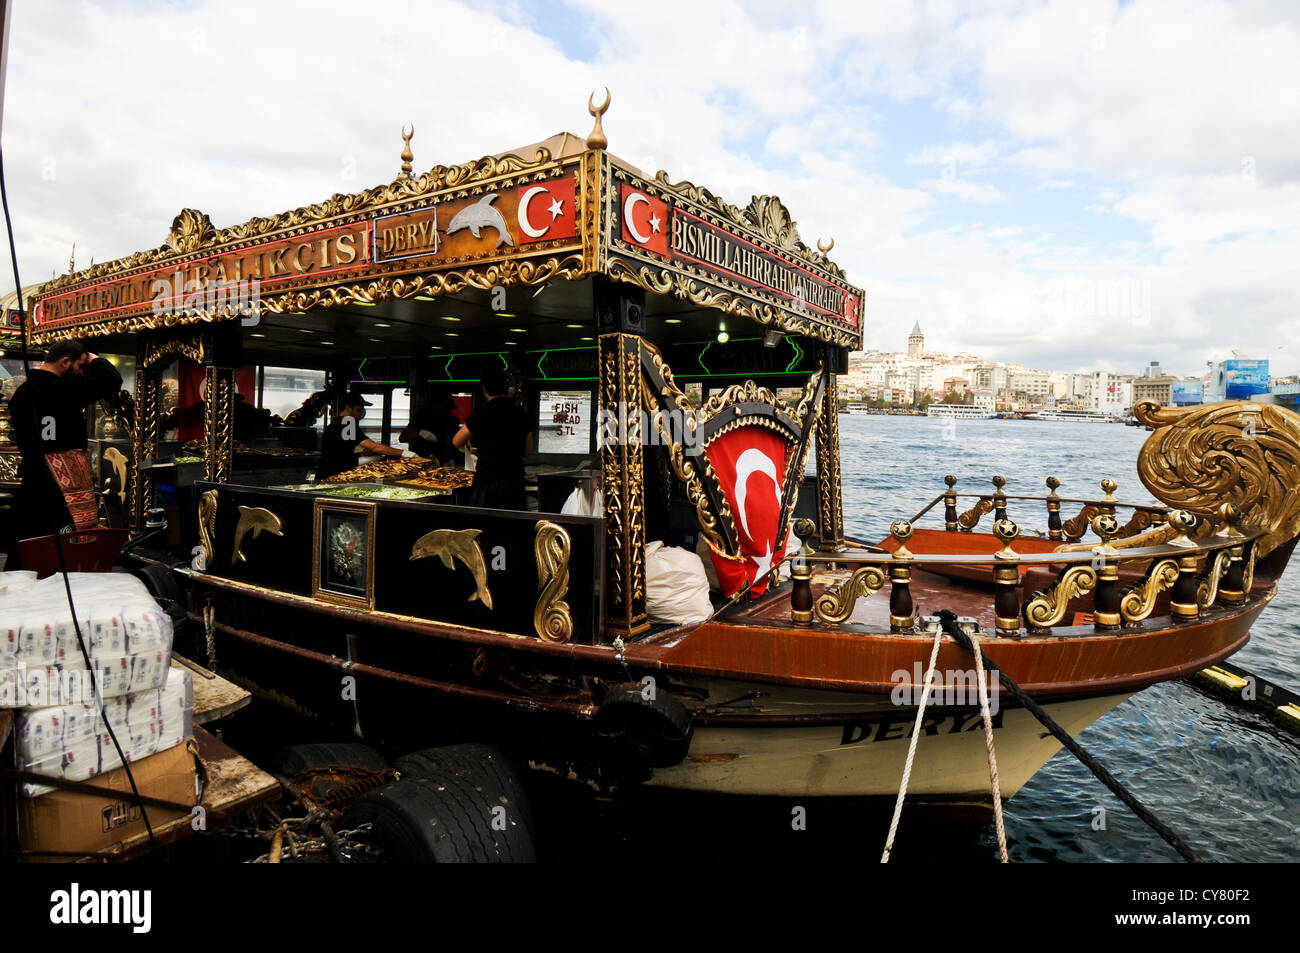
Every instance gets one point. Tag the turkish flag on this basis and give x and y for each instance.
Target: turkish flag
(750, 465)
(851, 305)
(644, 219)
(547, 211)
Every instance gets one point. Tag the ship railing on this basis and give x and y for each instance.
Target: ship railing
(1143, 516)
(1213, 572)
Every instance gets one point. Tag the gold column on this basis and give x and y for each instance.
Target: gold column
(219, 424)
(624, 483)
(144, 444)
(830, 510)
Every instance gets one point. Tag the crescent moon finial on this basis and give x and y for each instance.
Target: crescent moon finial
(407, 155)
(596, 138)
(825, 247)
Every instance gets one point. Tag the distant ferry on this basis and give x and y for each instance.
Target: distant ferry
(962, 411)
(1079, 416)
(858, 410)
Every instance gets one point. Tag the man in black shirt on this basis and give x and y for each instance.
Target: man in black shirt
(432, 428)
(502, 438)
(49, 420)
(345, 441)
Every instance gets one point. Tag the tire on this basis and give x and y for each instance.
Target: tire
(654, 731)
(314, 757)
(422, 820)
(482, 766)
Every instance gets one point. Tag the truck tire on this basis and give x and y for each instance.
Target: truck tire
(421, 820)
(482, 766)
(319, 756)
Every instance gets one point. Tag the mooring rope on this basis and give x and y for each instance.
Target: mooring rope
(911, 749)
(948, 623)
(988, 743)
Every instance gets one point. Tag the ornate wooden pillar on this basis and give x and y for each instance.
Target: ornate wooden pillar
(218, 424)
(830, 510)
(620, 317)
(144, 445)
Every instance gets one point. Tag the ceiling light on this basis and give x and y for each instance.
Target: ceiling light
(723, 336)
(505, 314)
(306, 331)
(672, 320)
(257, 335)
(512, 342)
(364, 304)
(436, 347)
(519, 330)
(326, 342)
(451, 334)
(382, 324)
(424, 298)
(449, 317)
(575, 325)
(377, 340)
(587, 339)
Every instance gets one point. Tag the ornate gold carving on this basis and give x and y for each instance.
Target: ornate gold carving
(971, 517)
(622, 466)
(191, 230)
(253, 519)
(407, 155)
(1140, 600)
(144, 442)
(1074, 528)
(1237, 452)
(9, 467)
(457, 544)
(836, 603)
(1139, 521)
(1046, 609)
(208, 527)
(1007, 531)
(830, 501)
(596, 138)
(551, 618)
(684, 288)
(218, 424)
(1208, 591)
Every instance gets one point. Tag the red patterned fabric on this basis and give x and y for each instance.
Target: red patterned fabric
(750, 464)
(71, 469)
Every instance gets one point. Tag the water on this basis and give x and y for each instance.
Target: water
(1227, 780)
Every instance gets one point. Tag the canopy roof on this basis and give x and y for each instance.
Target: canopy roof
(560, 209)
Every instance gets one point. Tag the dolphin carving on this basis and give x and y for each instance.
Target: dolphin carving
(481, 215)
(449, 544)
(253, 519)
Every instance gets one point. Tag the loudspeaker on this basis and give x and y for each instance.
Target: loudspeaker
(619, 306)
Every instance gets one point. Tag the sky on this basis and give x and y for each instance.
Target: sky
(1068, 185)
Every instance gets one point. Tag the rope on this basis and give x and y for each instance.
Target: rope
(911, 749)
(948, 621)
(988, 743)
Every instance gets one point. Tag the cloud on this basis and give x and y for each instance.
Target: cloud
(981, 192)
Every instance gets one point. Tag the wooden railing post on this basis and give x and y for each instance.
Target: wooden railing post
(1106, 598)
(999, 498)
(901, 610)
(1053, 509)
(1232, 592)
(801, 600)
(950, 504)
(1006, 576)
(1183, 596)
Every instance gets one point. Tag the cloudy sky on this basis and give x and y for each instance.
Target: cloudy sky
(1070, 185)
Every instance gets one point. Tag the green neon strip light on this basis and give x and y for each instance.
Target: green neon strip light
(798, 353)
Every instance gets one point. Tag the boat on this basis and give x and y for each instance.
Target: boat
(959, 412)
(418, 622)
(1074, 416)
(858, 410)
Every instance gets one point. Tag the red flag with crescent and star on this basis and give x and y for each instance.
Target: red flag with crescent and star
(644, 219)
(546, 211)
(750, 465)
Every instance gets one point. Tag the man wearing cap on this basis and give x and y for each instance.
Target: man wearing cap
(345, 441)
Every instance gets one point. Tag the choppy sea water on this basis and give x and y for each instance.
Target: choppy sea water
(1226, 779)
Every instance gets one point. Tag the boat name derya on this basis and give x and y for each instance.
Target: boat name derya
(899, 727)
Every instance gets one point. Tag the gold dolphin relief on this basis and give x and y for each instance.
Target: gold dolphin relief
(449, 544)
(253, 519)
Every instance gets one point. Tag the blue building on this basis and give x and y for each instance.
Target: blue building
(1237, 379)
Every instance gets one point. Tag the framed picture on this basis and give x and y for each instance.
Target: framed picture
(343, 566)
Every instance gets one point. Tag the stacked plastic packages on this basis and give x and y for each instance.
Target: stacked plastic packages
(43, 673)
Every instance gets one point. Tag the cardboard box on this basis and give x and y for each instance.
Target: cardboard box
(72, 822)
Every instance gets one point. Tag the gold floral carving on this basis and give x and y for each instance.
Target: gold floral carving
(1046, 609)
(551, 618)
(1075, 528)
(1140, 600)
(971, 517)
(208, 527)
(1234, 452)
(191, 230)
(836, 603)
(1208, 591)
